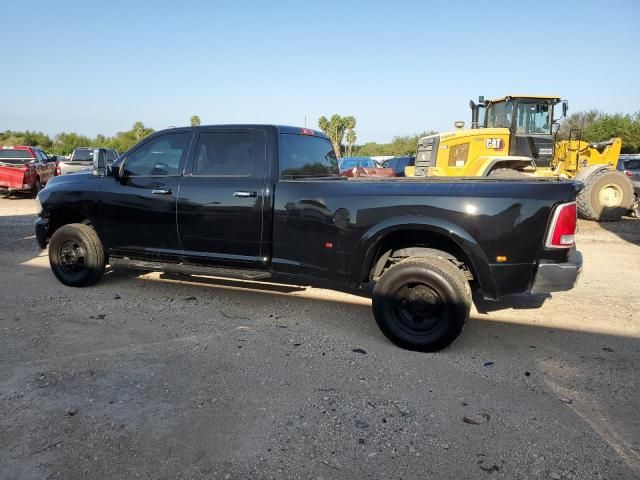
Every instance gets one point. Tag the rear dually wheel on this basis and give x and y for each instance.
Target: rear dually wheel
(422, 303)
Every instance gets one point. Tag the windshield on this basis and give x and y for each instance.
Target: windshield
(15, 157)
(533, 117)
(499, 114)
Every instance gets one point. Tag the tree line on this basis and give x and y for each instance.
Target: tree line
(65, 142)
(597, 126)
(592, 126)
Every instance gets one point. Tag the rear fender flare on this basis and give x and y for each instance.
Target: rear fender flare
(370, 242)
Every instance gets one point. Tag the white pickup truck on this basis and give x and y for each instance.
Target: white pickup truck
(81, 160)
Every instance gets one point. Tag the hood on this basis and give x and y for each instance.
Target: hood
(70, 178)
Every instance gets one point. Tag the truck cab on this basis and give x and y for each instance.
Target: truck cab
(529, 119)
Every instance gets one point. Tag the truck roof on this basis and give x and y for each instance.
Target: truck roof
(543, 97)
(279, 128)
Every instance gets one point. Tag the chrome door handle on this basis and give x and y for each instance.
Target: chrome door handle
(245, 194)
(160, 191)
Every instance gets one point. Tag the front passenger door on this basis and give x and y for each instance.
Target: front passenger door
(138, 209)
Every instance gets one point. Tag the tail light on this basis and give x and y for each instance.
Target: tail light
(562, 230)
(628, 173)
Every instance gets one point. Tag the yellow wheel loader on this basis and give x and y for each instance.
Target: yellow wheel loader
(513, 136)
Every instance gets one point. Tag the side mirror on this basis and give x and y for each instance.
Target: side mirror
(100, 162)
(565, 108)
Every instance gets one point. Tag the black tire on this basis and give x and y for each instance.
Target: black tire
(594, 201)
(76, 255)
(422, 303)
(505, 173)
(37, 186)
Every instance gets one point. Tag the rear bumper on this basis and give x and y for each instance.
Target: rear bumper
(558, 277)
(42, 231)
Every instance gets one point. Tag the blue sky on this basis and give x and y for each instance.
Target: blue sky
(400, 67)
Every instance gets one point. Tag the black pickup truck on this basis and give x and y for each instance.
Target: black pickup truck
(258, 202)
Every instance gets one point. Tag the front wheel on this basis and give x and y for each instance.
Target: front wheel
(76, 255)
(422, 303)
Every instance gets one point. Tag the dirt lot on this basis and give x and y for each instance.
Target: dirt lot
(165, 377)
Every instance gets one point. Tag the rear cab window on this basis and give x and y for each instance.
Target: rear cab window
(306, 156)
(82, 155)
(11, 156)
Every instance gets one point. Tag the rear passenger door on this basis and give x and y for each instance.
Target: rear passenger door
(222, 197)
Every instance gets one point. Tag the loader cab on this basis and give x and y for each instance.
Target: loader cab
(529, 120)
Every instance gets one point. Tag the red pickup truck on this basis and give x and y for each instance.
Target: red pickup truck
(24, 169)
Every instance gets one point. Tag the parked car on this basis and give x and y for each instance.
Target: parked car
(362, 167)
(348, 163)
(24, 168)
(398, 164)
(267, 202)
(630, 166)
(81, 160)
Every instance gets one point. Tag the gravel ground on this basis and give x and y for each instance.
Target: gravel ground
(155, 376)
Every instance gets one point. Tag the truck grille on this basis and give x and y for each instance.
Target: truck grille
(458, 155)
(426, 154)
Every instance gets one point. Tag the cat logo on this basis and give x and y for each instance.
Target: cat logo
(494, 143)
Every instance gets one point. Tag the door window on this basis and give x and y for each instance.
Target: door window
(224, 154)
(160, 156)
(499, 114)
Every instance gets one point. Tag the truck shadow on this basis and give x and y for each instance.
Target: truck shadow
(523, 301)
(627, 229)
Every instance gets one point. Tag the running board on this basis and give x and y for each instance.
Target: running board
(187, 269)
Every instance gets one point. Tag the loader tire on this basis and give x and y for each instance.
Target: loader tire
(505, 173)
(607, 196)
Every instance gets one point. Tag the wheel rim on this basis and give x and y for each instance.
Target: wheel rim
(418, 308)
(72, 257)
(610, 195)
